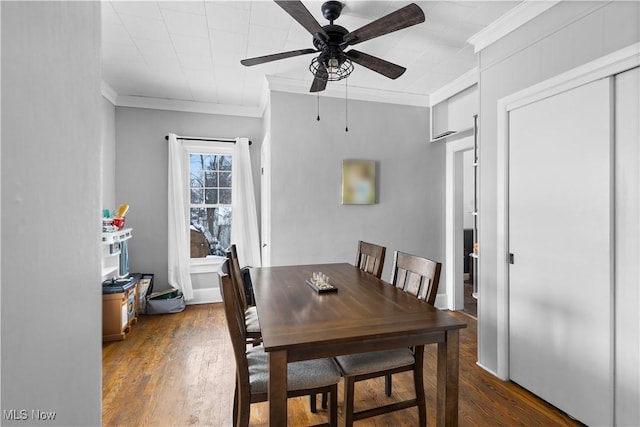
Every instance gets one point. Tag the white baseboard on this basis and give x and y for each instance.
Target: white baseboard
(441, 301)
(205, 296)
(491, 372)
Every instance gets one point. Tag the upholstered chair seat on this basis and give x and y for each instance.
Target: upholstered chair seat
(302, 375)
(362, 363)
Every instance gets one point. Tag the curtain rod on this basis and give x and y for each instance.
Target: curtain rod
(194, 138)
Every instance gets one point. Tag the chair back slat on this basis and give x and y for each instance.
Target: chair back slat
(413, 283)
(401, 278)
(431, 282)
(416, 275)
(370, 258)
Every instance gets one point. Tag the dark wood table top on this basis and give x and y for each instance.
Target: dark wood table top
(294, 317)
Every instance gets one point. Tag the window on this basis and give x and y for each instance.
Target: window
(210, 192)
(210, 212)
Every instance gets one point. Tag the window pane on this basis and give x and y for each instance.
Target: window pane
(197, 178)
(211, 196)
(215, 225)
(222, 232)
(197, 218)
(196, 215)
(211, 163)
(196, 162)
(211, 179)
(225, 163)
(225, 179)
(197, 196)
(225, 197)
(200, 246)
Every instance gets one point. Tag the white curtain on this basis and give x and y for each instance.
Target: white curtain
(178, 233)
(244, 228)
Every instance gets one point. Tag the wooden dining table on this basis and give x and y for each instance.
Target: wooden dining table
(365, 314)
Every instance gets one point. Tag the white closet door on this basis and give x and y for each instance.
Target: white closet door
(627, 232)
(560, 192)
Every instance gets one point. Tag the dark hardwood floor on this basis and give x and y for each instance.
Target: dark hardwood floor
(178, 370)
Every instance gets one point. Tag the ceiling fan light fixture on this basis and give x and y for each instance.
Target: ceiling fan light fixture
(332, 65)
(333, 70)
(331, 40)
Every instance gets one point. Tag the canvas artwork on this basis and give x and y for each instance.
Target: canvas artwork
(358, 182)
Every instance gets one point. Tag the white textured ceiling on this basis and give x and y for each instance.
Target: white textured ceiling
(191, 50)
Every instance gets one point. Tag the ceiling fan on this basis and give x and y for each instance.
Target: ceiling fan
(331, 40)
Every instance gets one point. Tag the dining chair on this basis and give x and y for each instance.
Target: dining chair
(252, 367)
(254, 334)
(419, 277)
(252, 323)
(364, 366)
(370, 258)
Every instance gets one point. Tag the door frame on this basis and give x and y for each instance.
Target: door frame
(453, 221)
(605, 66)
(265, 200)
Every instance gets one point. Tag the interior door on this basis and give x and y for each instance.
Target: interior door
(560, 282)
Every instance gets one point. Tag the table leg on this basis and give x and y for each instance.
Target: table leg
(447, 393)
(277, 388)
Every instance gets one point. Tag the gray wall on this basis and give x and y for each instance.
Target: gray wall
(566, 36)
(141, 173)
(51, 299)
(309, 223)
(108, 154)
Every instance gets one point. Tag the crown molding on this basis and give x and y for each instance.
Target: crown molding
(188, 106)
(463, 82)
(282, 84)
(179, 105)
(511, 20)
(108, 92)
(270, 83)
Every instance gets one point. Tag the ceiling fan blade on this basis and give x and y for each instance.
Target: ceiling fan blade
(301, 14)
(378, 65)
(401, 18)
(320, 80)
(268, 58)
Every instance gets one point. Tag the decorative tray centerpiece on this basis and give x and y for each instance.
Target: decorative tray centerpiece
(320, 283)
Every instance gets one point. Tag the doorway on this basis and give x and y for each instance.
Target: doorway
(469, 215)
(459, 265)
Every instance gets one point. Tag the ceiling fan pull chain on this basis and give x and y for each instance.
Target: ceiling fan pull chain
(318, 119)
(346, 109)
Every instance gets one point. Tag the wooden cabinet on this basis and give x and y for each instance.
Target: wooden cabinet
(119, 309)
